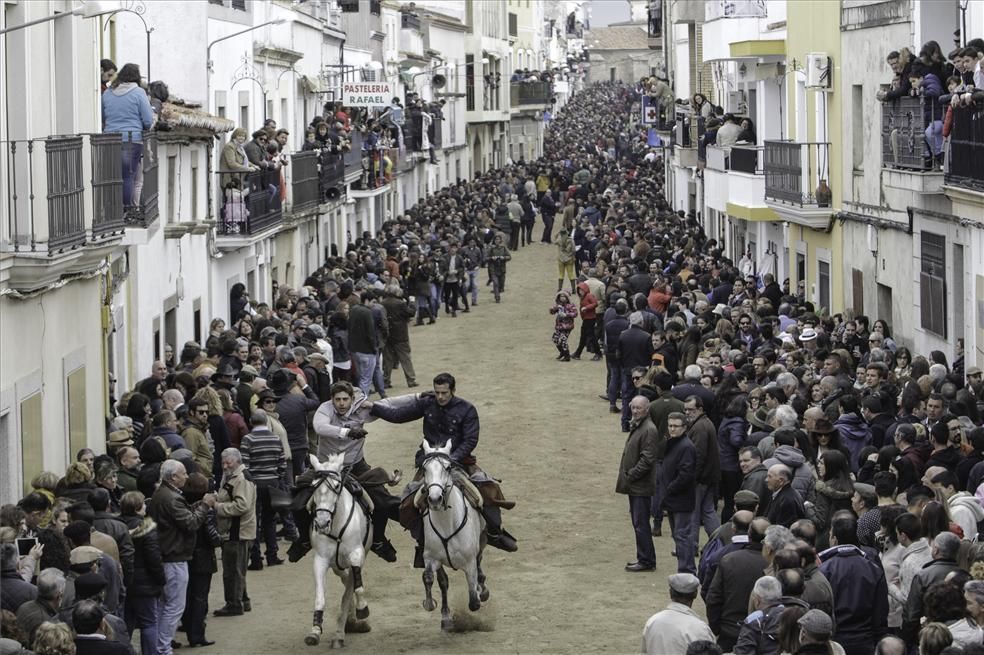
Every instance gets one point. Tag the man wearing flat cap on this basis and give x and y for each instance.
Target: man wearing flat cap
(816, 627)
(668, 632)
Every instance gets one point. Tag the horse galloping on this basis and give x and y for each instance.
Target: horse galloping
(340, 536)
(453, 531)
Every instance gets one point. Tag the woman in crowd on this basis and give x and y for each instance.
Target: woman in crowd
(834, 490)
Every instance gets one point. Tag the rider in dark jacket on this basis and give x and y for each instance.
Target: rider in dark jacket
(447, 417)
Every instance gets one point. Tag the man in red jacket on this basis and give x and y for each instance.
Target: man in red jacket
(589, 316)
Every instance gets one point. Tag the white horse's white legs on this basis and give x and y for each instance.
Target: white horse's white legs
(320, 572)
(338, 638)
(471, 575)
(442, 582)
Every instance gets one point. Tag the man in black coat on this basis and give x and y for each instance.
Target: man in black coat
(14, 591)
(702, 434)
(397, 347)
(772, 291)
(678, 487)
(448, 417)
(636, 478)
(731, 587)
(635, 348)
(613, 330)
(786, 506)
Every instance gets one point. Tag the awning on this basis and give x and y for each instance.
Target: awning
(315, 84)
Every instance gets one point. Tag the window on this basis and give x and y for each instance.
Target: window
(238, 5)
(77, 432)
(470, 82)
(513, 27)
(858, 112)
(823, 284)
(197, 328)
(172, 185)
(932, 283)
(194, 186)
(32, 435)
(157, 337)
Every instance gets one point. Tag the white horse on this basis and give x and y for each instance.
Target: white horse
(453, 531)
(340, 536)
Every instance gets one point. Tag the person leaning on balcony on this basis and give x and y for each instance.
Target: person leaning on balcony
(901, 63)
(727, 135)
(701, 106)
(126, 110)
(234, 157)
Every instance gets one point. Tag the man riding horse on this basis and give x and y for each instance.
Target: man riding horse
(338, 424)
(448, 417)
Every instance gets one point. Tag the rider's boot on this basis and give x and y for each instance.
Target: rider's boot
(299, 548)
(495, 535)
(380, 544)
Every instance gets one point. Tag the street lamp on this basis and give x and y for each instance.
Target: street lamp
(208, 56)
(135, 7)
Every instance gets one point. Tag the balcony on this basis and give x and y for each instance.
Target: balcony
(107, 184)
(315, 178)
(796, 182)
(657, 115)
(63, 208)
(965, 169)
(145, 211)
(734, 182)
(249, 203)
(409, 21)
(903, 134)
(524, 94)
(45, 212)
(377, 165)
(411, 42)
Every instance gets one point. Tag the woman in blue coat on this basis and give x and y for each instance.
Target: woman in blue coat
(126, 110)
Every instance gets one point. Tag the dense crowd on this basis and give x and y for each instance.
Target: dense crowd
(834, 472)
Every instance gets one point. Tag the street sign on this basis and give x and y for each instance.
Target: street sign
(650, 110)
(366, 94)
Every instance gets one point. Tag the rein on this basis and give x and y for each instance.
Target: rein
(336, 480)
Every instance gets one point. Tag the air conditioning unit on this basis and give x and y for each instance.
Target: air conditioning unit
(818, 70)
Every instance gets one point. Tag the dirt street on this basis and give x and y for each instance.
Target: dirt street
(551, 440)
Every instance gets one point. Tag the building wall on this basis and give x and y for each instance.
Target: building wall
(813, 27)
(51, 343)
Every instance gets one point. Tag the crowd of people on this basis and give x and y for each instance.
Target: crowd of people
(943, 82)
(834, 472)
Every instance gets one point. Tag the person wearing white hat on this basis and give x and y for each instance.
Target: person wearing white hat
(668, 632)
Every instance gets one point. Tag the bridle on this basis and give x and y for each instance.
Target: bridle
(445, 488)
(334, 481)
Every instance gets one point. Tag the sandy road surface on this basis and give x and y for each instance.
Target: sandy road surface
(550, 439)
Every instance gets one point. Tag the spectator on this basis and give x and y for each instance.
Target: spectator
(126, 111)
(671, 630)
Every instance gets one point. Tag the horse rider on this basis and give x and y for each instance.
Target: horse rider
(338, 424)
(447, 416)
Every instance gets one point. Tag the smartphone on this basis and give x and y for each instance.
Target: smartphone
(24, 546)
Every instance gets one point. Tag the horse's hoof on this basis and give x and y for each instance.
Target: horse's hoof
(357, 627)
(429, 604)
(474, 605)
(313, 639)
(447, 624)
(362, 612)
(484, 594)
(337, 643)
